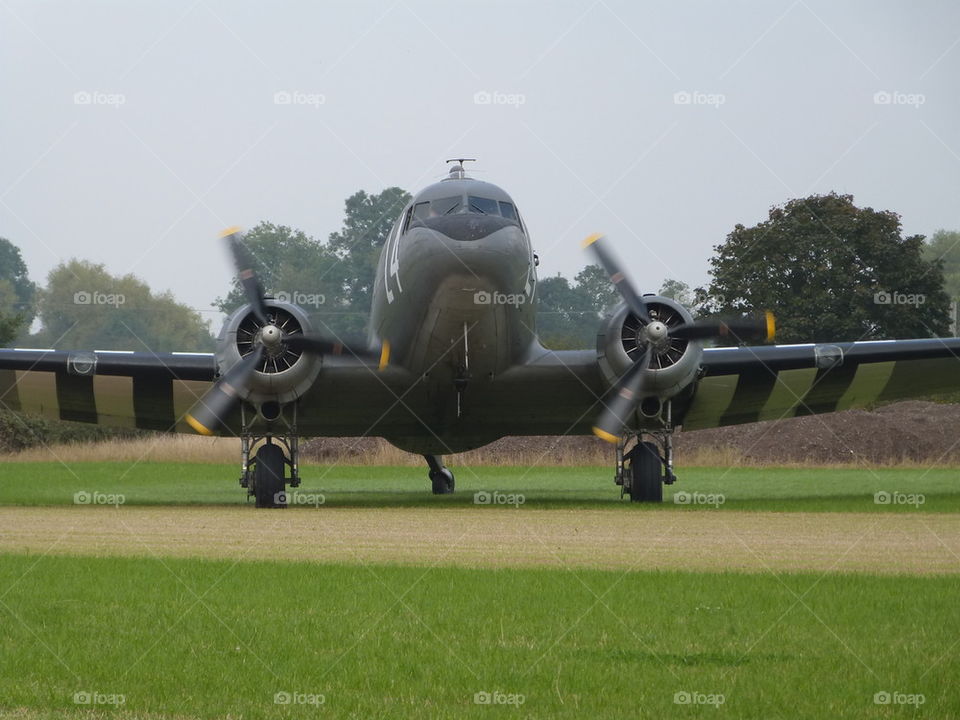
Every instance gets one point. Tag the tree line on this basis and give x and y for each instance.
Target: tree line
(831, 271)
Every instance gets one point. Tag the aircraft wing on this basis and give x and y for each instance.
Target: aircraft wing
(747, 384)
(145, 390)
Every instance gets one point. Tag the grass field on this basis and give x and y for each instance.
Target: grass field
(793, 489)
(430, 604)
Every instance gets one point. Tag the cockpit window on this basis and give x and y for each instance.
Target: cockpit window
(435, 208)
(484, 206)
(508, 211)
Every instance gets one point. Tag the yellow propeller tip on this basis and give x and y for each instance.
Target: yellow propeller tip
(591, 240)
(771, 325)
(230, 231)
(384, 355)
(197, 425)
(604, 435)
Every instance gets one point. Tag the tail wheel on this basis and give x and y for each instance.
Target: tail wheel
(268, 476)
(646, 482)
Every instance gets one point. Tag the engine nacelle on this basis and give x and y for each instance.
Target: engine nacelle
(620, 344)
(282, 376)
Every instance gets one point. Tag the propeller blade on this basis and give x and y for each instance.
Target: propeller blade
(623, 401)
(321, 345)
(243, 262)
(751, 328)
(209, 414)
(597, 243)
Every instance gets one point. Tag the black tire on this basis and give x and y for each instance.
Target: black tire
(268, 476)
(646, 482)
(443, 482)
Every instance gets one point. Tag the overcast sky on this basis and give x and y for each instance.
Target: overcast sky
(133, 132)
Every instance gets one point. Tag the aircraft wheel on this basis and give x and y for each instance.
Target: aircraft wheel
(443, 482)
(268, 476)
(646, 484)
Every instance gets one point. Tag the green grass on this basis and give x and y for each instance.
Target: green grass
(789, 489)
(204, 639)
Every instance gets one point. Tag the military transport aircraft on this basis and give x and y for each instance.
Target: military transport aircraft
(453, 362)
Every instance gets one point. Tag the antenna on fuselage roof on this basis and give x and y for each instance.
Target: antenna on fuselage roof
(458, 172)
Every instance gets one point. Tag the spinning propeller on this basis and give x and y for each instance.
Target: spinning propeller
(656, 336)
(269, 341)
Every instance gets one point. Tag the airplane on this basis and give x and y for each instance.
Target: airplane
(452, 362)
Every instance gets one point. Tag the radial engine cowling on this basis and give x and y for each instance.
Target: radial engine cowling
(283, 374)
(623, 339)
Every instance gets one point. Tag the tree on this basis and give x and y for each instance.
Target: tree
(367, 222)
(677, 290)
(595, 288)
(569, 316)
(297, 268)
(830, 271)
(944, 245)
(17, 293)
(83, 306)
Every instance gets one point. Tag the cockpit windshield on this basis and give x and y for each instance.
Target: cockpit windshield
(436, 208)
(455, 205)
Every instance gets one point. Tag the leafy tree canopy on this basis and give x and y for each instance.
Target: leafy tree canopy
(84, 306)
(830, 271)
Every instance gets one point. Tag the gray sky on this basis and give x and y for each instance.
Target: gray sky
(133, 132)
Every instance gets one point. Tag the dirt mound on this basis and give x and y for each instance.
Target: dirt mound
(913, 431)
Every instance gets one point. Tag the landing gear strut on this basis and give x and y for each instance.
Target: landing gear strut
(647, 466)
(440, 478)
(265, 477)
